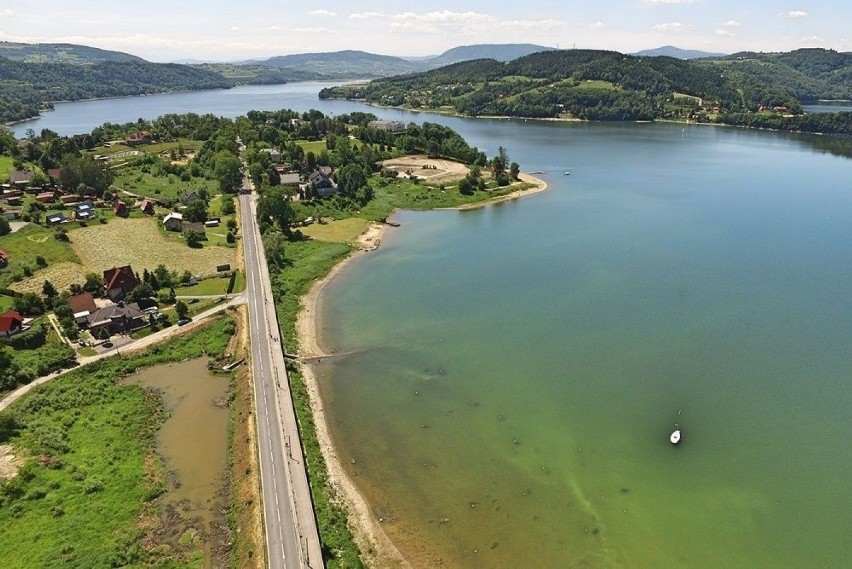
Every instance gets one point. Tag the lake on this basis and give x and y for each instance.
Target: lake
(515, 371)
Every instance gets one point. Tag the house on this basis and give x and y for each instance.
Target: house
(120, 209)
(116, 318)
(54, 174)
(55, 218)
(11, 322)
(84, 210)
(141, 137)
(212, 222)
(323, 185)
(15, 200)
(119, 281)
(82, 305)
(4, 258)
(147, 207)
(11, 215)
(173, 221)
(46, 197)
(274, 154)
(389, 126)
(326, 171)
(189, 197)
(197, 227)
(68, 199)
(289, 180)
(20, 178)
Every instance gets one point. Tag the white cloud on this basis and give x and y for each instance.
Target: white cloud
(670, 27)
(364, 15)
(812, 40)
(322, 13)
(312, 30)
(722, 32)
(795, 14)
(731, 24)
(597, 25)
(448, 22)
(668, 2)
(272, 28)
(7, 13)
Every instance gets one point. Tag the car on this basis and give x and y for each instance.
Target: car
(192, 301)
(184, 321)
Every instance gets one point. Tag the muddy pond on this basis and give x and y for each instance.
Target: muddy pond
(193, 442)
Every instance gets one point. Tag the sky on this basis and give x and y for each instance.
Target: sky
(236, 30)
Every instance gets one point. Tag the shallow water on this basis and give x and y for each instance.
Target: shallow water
(519, 368)
(194, 439)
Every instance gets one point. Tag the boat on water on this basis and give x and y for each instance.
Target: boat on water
(675, 436)
(567, 172)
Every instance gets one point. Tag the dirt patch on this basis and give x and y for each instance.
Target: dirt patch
(433, 170)
(10, 463)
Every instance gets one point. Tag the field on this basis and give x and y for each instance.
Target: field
(137, 242)
(342, 231)
(167, 186)
(433, 170)
(26, 245)
(5, 167)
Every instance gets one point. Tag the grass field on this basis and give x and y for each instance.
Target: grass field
(92, 476)
(137, 242)
(315, 147)
(213, 285)
(342, 231)
(169, 187)
(5, 167)
(30, 242)
(6, 302)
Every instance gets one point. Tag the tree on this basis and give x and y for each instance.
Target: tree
(515, 170)
(29, 304)
(193, 239)
(228, 172)
(48, 289)
(465, 187)
(273, 248)
(350, 179)
(94, 284)
(5, 228)
(104, 335)
(274, 205)
(182, 309)
(227, 205)
(196, 210)
(164, 277)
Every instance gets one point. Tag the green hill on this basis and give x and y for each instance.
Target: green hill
(61, 53)
(607, 85)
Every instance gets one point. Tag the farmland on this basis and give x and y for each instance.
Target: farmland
(137, 242)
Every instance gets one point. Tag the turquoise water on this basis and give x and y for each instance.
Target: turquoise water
(516, 370)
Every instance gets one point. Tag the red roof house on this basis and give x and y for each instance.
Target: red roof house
(147, 207)
(120, 208)
(118, 282)
(10, 323)
(83, 302)
(4, 258)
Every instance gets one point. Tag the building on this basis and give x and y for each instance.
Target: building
(389, 126)
(46, 197)
(56, 218)
(4, 258)
(120, 209)
(119, 281)
(141, 137)
(322, 184)
(116, 318)
(195, 226)
(82, 305)
(11, 323)
(84, 210)
(20, 178)
(290, 180)
(147, 207)
(274, 154)
(173, 221)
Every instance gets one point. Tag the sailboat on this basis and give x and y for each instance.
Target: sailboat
(675, 436)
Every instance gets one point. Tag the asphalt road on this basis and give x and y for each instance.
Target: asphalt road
(291, 532)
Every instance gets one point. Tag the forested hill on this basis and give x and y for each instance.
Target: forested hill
(25, 88)
(607, 85)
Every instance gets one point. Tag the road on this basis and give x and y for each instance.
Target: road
(292, 537)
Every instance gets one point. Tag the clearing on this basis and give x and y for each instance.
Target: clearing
(434, 170)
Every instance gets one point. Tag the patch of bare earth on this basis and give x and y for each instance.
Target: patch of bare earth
(10, 463)
(432, 170)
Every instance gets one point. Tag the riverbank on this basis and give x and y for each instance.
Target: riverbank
(376, 547)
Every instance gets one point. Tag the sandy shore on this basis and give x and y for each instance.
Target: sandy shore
(366, 527)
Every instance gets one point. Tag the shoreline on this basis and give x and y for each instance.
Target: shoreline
(377, 549)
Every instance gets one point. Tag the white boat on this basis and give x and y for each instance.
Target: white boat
(567, 172)
(675, 436)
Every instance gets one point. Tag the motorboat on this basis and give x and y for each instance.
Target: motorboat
(675, 436)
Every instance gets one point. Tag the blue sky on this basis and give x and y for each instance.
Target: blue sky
(231, 30)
